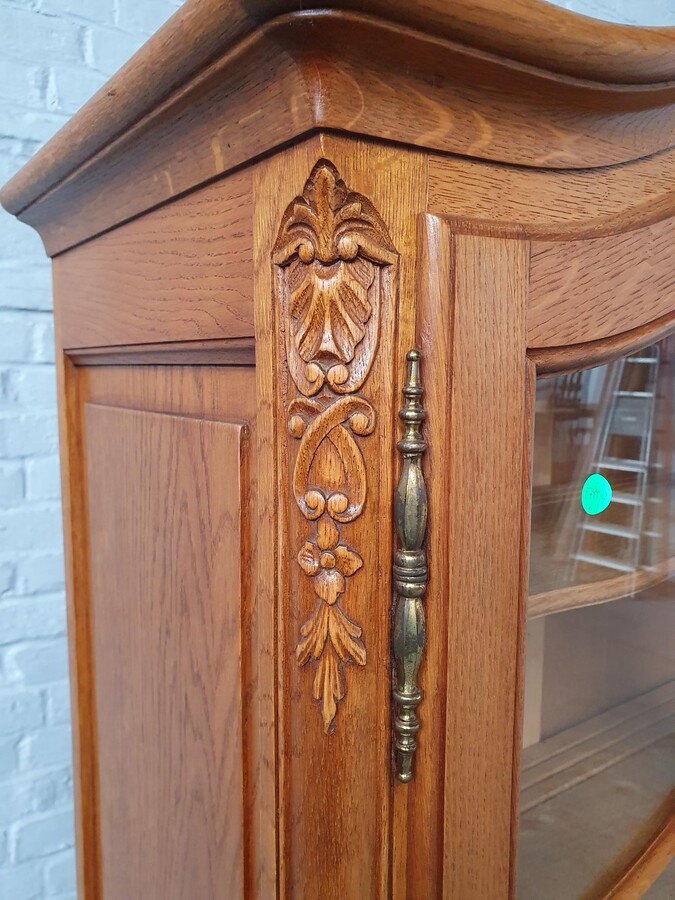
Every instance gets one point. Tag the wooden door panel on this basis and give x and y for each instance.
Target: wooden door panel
(167, 572)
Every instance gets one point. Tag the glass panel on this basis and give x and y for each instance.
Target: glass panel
(598, 763)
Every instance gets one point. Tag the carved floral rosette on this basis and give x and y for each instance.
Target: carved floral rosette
(333, 262)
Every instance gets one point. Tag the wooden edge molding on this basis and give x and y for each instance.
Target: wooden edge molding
(597, 592)
(227, 352)
(552, 361)
(477, 393)
(599, 288)
(194, 36)
(520, 33)
(496, 200)
(643, 861)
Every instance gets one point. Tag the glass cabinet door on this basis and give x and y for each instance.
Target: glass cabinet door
(598, 760)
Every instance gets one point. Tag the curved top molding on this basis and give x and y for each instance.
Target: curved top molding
(553, 361)
(519, 33)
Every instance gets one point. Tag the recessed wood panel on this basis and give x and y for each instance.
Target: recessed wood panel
(167, 557)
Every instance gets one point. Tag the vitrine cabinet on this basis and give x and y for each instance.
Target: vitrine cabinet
(365, 320)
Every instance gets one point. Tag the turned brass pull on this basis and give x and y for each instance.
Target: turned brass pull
(410, 571)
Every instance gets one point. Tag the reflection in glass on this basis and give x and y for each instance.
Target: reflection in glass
(598, 763)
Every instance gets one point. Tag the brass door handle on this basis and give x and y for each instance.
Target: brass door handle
(410, 571)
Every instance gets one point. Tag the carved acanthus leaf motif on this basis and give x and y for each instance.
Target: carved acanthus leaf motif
(329, 222)
(331, 254)
(333, 260)
(330, 304)
(330, 638)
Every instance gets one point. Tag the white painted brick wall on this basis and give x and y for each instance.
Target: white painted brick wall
(55, 54)
(628, 12)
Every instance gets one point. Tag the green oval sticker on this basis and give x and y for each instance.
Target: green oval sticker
(596, 494)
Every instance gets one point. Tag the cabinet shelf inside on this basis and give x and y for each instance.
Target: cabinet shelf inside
(590, 795)
(649, 583)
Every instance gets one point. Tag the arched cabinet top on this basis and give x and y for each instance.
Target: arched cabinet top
(512, 81)
(533, 123)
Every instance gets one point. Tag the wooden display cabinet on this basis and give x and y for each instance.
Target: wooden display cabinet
(291, 677)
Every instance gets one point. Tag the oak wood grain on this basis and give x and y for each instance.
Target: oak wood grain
(551, 361)
(527, 481)
(459, 101)
(582, 291)
(486, 198)
(227, 352)
(216, 393)
(417, 851)
(167, 635)
(334, 789)
(476, 561)
(183, 272)
(650, 860)
(191, 39)
(176, 254)
(180, 147)
(486, 585)
(523, 30)
(200, 393)
(300, 72)
(80, 652)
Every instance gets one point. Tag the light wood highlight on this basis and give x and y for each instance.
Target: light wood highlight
(487, 405)
(180, 148)
(316, 815)
(523, 30)
(200, 395)
(250, 226)
(650, 861)
(80, 654)
(416, 850)
(181, 273)
(551, 361)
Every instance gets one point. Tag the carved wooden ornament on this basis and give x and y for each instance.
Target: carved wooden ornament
(333, 260)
